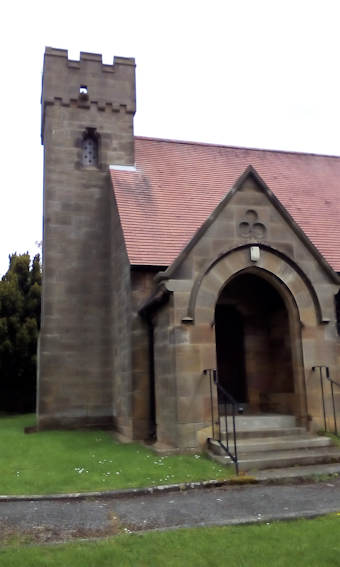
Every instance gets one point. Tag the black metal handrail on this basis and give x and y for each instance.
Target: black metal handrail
(333, 384)
(224, 400)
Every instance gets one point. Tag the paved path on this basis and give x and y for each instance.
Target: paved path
(220, 506)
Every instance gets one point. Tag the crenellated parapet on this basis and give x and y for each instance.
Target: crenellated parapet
(88, 82)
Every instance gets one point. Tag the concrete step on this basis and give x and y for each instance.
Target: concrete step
(279, 459)
(259, 422)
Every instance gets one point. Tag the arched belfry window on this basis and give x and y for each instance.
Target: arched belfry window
(90, 148)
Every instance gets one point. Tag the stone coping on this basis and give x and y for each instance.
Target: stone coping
(126, 492)
(300, 474)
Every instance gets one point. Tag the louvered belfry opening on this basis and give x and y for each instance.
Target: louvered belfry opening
(90, 148)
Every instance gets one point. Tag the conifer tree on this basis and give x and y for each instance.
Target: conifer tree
(20, 292)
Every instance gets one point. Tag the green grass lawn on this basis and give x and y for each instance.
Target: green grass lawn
(80, 461)
(309, 543)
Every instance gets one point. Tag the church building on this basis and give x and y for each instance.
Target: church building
(167, 262)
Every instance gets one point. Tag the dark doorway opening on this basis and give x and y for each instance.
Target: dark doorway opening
(230, 351)
(253, 345)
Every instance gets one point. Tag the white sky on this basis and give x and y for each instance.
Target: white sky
(258, 73)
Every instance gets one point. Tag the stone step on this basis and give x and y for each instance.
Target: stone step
(273, 441)
(266, 444)
(259, 422)
(279, 459)
(263, 433)
(281, 444)
(298, 472)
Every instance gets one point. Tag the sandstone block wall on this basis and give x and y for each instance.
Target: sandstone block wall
(142, 281)
(121, 325)
(79, 274)
(220, 251)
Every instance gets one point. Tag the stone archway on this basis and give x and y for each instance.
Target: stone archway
(305, 312)
(253, 345)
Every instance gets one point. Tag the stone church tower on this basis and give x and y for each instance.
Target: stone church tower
(87, 124)
(166, 262)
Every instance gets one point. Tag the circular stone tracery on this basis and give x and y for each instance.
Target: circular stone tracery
(250, 227)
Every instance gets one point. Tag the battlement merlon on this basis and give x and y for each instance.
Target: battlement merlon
(105, 84)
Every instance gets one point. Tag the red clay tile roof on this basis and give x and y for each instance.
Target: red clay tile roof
(178, 184)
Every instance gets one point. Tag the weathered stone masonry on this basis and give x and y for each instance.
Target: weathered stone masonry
(217, 254)
(81, 262)
(124, 342)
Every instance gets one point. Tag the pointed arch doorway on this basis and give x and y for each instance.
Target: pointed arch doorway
(254, 345)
